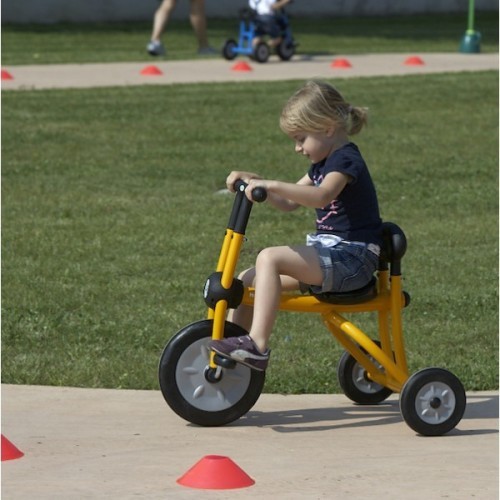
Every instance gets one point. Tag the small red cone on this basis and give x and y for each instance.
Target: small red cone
(215, 472)
(151, 71)
(341, 63)
(6, 75)
(242, 66)
(414, 61)
(9, 451)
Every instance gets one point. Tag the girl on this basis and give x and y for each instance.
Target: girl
(343, 253)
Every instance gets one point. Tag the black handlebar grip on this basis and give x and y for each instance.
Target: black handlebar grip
(259, 194)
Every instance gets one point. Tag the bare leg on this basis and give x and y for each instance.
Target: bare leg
(299, 264)
(199, 22)
(244, 314)
(161, 17)
(256, 41)
(274, 42)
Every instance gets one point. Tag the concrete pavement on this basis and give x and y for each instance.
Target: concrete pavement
(99, 443)
(220, 70)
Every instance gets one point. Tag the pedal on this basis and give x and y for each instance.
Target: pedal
(224, 362)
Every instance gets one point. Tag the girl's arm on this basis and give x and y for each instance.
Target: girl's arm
(287, 196)
(281, 202)
(236, 175)
(278, 201)
(279, 4)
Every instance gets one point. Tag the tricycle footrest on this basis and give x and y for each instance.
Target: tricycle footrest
(224, 362)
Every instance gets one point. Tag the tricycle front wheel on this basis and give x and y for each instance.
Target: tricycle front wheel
(228, 50)
(199, 394)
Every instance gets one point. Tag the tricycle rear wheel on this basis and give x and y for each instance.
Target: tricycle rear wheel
(261, 52)
(432, 401)
(356, 383)
(285, 50)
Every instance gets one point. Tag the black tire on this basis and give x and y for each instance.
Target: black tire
(432, 401)
(188, 384)
(228, 50)
(261, 52)
(285, 50)
(354, 381)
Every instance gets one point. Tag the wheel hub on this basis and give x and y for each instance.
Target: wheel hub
(213, 375)
(435, 402)
(362, 380)
(206, 389)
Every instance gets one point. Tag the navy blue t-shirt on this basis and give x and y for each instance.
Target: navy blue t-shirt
(354, 215)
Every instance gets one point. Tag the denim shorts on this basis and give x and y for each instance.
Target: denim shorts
(346, 266)
(267, 25)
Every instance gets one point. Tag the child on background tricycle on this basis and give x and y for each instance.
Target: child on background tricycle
(265, 19)
(269, 20)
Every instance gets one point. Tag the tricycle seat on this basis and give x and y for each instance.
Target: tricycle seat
(358, 296)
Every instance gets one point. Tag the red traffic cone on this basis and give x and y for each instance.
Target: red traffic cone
(151, 71)
(242, 66)
(214, 472)
(6, 75)
(9, 451)
(414, 61)
(340, 63)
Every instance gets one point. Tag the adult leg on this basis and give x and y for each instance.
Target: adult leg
(161, 17)
(199, 22)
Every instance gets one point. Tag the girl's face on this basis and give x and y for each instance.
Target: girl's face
(315, 145)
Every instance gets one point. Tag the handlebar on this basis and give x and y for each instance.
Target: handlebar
(259, 194)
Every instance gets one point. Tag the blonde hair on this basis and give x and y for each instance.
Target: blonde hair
(317, 106)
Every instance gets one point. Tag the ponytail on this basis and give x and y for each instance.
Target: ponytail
(357, 118)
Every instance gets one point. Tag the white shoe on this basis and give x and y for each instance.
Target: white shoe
(155, 49)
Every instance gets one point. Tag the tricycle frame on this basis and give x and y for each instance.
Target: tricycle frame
(388, 304)
(209, 390)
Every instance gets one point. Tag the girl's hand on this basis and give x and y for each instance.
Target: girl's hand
(236, 175)
(253, 183)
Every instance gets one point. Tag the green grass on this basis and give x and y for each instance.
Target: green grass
(111, 223)
(113, 42)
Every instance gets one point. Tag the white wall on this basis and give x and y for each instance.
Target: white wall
(51, 11)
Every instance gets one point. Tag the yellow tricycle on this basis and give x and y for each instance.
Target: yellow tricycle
(209, 390)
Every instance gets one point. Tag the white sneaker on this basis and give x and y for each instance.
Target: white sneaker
(155, 49)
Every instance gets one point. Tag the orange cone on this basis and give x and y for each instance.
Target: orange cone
(151, 71)
(215, 472)
(6, 75)
(341, 63)
(9, 451)
(242, 66)
(414, 61)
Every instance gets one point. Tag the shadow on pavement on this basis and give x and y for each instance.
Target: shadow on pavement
(358, 416)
